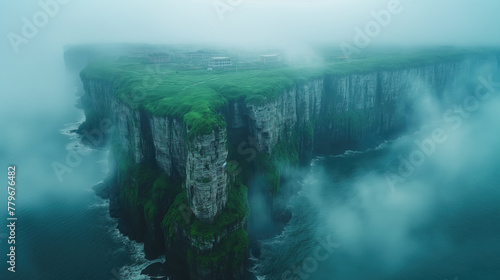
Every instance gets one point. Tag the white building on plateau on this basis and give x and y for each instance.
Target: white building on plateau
(269, 59)
(217, 62)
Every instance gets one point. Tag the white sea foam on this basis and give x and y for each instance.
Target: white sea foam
(133, 270)
(134, 249)
(101, 204)
(75, 143)
(349, 153)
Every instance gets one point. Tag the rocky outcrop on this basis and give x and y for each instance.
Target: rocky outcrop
(375, 105)
(277, 119)
(206, 177)
(169, 136)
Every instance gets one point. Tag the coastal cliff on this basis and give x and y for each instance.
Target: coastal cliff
(178, 185)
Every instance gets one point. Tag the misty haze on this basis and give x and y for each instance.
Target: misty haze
(250, 139)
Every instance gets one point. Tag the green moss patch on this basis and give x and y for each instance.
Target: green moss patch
(231, 252)
(143, 189)
(284, 154)
(234, 212)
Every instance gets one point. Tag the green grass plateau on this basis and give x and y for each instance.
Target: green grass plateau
(197, 96)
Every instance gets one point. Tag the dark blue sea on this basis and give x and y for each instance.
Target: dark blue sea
(63, 230)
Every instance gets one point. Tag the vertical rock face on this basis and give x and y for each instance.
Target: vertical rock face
(278, 119)
(368, 105)
(128, 124)
(356, 108)
(206, 178)
(169, 138)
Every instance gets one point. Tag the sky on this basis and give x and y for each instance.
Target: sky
(247, 22)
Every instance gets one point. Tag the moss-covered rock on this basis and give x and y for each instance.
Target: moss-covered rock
(144, 197)
(285, 154)
(209, 251)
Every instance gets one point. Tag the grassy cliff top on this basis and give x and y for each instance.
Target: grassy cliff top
(196, 95)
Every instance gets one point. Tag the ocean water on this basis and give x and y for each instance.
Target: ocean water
(440, 222)
(63, 230)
